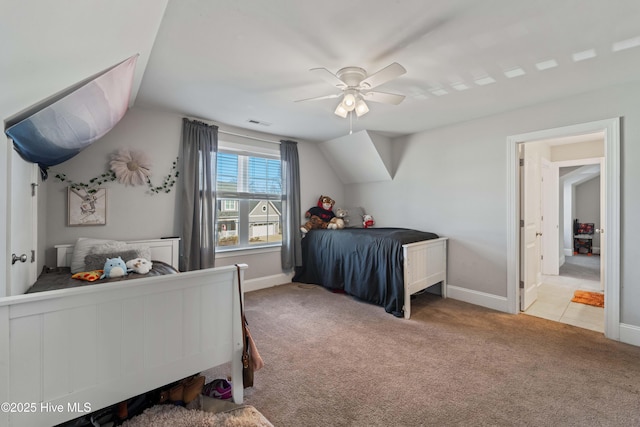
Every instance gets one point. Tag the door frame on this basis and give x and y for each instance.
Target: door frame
(551, 193)
(611, 251)
(551, 218)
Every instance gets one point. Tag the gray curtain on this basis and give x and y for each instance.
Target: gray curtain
(199, 148)
(291, 239)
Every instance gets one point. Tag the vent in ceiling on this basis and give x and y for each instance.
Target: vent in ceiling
(258, 122)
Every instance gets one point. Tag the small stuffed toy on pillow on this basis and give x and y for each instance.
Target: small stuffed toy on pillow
(114, 267)
(319, 216)
(139, 265)
(338, 222)
(367, 221)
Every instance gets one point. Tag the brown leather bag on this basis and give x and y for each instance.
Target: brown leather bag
(251, 359)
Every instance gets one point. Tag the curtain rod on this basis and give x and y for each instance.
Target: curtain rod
(250, 137)
(232, 133)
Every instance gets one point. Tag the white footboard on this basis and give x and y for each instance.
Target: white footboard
(67, 352)
(425, 264)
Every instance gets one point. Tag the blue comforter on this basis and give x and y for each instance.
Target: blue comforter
(363, 262)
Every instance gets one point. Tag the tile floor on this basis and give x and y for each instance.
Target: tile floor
(555, 293)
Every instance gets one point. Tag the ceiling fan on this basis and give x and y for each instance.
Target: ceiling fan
(356, 88)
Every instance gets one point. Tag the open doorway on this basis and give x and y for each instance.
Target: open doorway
(571, 284)
(611, 240)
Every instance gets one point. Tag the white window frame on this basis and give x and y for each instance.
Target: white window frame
(243, 198)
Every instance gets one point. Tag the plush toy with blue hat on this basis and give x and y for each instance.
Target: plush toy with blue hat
(114, 267)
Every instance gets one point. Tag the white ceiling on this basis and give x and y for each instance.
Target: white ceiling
(231, 61)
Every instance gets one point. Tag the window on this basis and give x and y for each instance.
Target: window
(229, 205)
(248, 201)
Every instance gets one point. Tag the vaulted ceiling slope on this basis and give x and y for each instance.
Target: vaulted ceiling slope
(245, 62)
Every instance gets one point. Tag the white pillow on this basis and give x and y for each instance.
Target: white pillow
(106, 247)
(81, 249)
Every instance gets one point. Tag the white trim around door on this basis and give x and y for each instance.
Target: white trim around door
(611, 252)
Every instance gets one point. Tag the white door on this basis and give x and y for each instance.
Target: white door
(530, 226)
(22, 223)
(550, 218)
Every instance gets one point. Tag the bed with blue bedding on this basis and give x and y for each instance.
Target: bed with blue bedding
(376, 265)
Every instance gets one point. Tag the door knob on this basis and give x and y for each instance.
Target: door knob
(15, 258)
(538, 234)
(600, 230)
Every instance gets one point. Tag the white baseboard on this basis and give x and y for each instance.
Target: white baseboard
(478, 298)
(267, 282)
(630, 334)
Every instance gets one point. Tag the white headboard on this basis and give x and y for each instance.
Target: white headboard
(165, 250)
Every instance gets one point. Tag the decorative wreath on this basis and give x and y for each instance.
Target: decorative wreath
(131, 167)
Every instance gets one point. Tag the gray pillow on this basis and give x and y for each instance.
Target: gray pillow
(81, 249)
(118, 247)
(354, 218)
(96, 261)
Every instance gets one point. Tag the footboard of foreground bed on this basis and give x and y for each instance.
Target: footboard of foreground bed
(425, 264)
(65, 353)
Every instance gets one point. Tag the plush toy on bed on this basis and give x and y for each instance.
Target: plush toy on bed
(114, 267)
(338, 222)
(139, 265)
(367, 221)
(319, 216)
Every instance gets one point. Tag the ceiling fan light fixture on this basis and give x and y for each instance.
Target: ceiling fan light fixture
(361, 108)
(341, 111)
(356, 84)
(349, 101)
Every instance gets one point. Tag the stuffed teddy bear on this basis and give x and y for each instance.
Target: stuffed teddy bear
(319, 216)
(114, 267)
(367, 221)
(338, 222)
(139, 265)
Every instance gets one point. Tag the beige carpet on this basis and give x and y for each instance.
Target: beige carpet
(333, 361)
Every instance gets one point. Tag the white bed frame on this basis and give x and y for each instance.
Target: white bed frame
(67, 352)
(425, 264)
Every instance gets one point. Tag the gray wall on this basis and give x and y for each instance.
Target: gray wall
(133, 213)
(453, 181)
(450, 180)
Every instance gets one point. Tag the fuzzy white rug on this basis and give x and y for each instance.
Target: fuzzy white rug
(178, 416)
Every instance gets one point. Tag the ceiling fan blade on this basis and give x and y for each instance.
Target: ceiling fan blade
(329, 77)
(334, 95)
(414, 36)
(383, 97)
(389, 72)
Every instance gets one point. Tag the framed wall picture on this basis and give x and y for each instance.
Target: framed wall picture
(87, 207)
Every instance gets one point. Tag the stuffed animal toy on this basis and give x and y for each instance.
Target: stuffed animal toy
(114, 267)
(367, 221)
(320, 215)
(338, 222)
(139, 265)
